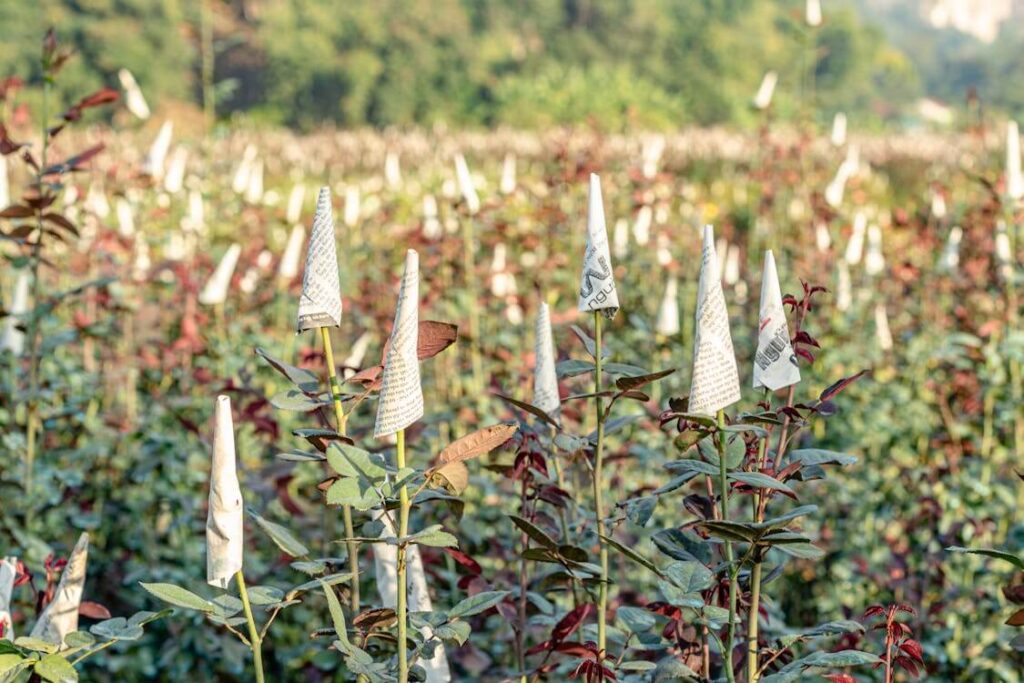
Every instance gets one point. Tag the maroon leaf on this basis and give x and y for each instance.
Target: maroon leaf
(93, 610)
(571, 621)
(16, 211)
(913, 648)
(840, 385)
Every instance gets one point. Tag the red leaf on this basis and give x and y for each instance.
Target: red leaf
(913, 648)
(93, 610)
(840, 385)
(16, 211)
(840, 678)
(873, 611)
(571, 621)
(464, 560)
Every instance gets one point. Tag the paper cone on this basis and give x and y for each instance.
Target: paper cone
(401, 396)
(882, 333)
(763, 99)
(174, 179)
(822, 238)
(385, 564)
(254, 186)
(357, 353)
(392, 171)
(295, 199)
(466, 185)
(1004, 253)
(8, 572)
(715, 383)
(508, 175)
(855, 247)
(320, 302)
(134, 99)
(812, 13)
(13, 339)
(620, 239)
(61, 616)
(839, 129)
(664, 254)
(642, 226)
(352, 207)
(225, 537)
(289, 268)
(216, 289)
(844, 288)
(597, 283)
(668, 312)
(125, 218)
(775, 364)
(545, 379)
(731, 274)
(874, 261)
(196, 211)
(837, 187)
(938, 208)
(1014, 176)
(951, 254)
(653, 148)
(241, 178)
(154, 164)
(5, 185)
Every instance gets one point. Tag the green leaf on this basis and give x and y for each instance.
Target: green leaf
(691, 576)
(988, 552)
(636, 619)
(351, 461)
(671, 669)
(305, 380)
(803, 551)
(689, 465)
(632, 554)
(76, 640)
(682, 545)
(530, 408)
(178, 596)
(761, 481)
(337, 616)
(295, 400)
(351, 491)
(639, 510)
(787, 517)
(636, 665)
(117, 628)
(623, 369)
(573, 368)
(818, 456)
(481, 602)
(55, 669)
(36, 644)
(330, 580)
(455, 631)
(265, 595)
(281, 536)
(432, 536)
(11, 664)
(534, 532)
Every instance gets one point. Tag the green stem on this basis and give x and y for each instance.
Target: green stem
(602, 608)
(403, 531)
(724, 484)
(255, 642)
(468, 273)
(346, 510)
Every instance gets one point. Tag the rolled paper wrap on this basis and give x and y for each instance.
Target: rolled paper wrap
(839, 129)
(240, 181)
(225, 536)
(254, 186)
(8, 573)
(951, 254)
(216, 290)
(545, 379)
(13, 339)
(125, 218)
(812, 13)
(844, 287)
(668, 311)
(401, 396)
(597, 281)
(392, 170)
(5, 185)
(882, 333)
(289, 268)
(385, 564)
(508, 175)
(1014, 176)
(154, 164)
(715, 383)
(295, 199)
(320, 302)
(196, 211)
(855, 247)
(874, 260)
(466, 185)
(352, 206)
(61, 616)
(775, 364)
(174, 179)
(134, 99)
(763, 98)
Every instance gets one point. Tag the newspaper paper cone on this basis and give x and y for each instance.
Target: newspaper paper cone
(174, 180)
(320, 302)
(822, 238)
(951, 254)
(716, 382)
(844, 287)
(224, 522)
(8, 572)
(254, 187)
(154, 164)
(392, 170)
(385, 564)
(125, 218)
(597, 283)
(196, 211)
(642, 226)
(668, 312)
(545, 379)
(134, 99)
(241, 178)
(401, 396)
(508, 175)
(295, 199)
(216, 290)
(61, 616)
(1014, 176)
(352, 206)
(882, 333)
(5, 185)
(763, 98)
(839, 129)
(13, 339)
(812, 13)
(289, 268)
(874, 260)
(466, 186)
(1004, 252)
(855, 247)
(775, 364)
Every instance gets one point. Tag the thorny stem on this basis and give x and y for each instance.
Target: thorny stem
(346, 510)
(523, 584)
(598, 485)
(255, 642)
(755, 574)
(403, 531)
(783, 433)
(468, 250)
(724, 484)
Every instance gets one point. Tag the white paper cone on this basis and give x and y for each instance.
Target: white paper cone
(951, 254)
(1014, 176)
(822, 238)
(664, 254)
(597, 282)
(134, 99)
(642, 226)
(320, 302)
(401, 396)
(882, 333)
(8, 573)
(938, 208)
(96, 202)
(254, 188)
(13, 339)
(775, 363)
(1004, 255)
(715, 383)
(216, 289)
(289, 268)
(295, 199)
(653, 148)
(668, 311)
(763, 99)
(731, 275)
(125, 218)
(844, 288)
(839, 129)
(175, 177)
(508, 175)
(874, 261)
(466, 185)
(385, 564)
(357, 353)
(392, 171)
(241, 178)
(61, 616)
(154, 164)
(812, 13)
(5, 185)
(225, 536)
(545, 379)
(620, 239)
(855, 247)
(837, 187)
(352, 206)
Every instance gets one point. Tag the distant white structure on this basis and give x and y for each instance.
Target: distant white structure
(979, 18)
